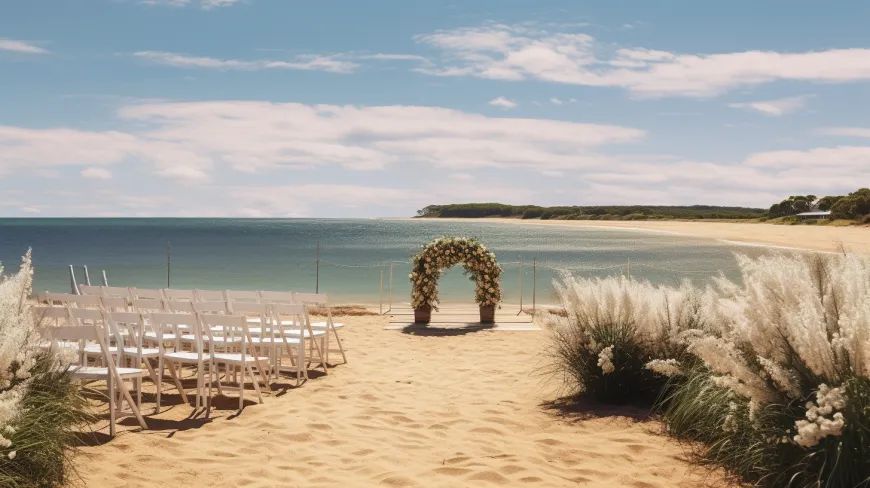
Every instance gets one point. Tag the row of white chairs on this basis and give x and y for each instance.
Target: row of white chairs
(115, 343)
(128, 299)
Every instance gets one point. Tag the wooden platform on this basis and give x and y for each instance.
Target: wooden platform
(461, 317)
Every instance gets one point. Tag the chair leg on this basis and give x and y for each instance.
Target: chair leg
(126, 393)
(159, 382)
(110, 384)
(241, 391)
(178, 385)
(254, 381)
(340, 346)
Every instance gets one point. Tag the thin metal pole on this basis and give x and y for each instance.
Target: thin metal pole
(87, 276)
(391, 288)
(73, 285)
(629, 267)
(168, 265)
(317, 269)
(381, 294)
(521, 287)
(105, 279)
(534, 284)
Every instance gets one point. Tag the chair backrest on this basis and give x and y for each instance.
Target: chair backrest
(210, 295)
(116, 291)
(243, 296)
(83, 315)
(151, 293)
(90, 290)
(277, 297)
(149, 304)
(289, 316)
(172, 322)
(210, 306)
(180, 306)
(87, 301)
(130, 322)
(228, 326)
(178, 294)
(48, 316)
(115, 304)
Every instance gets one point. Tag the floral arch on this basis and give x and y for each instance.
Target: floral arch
(442, 253)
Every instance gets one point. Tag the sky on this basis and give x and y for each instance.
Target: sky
(285, 108)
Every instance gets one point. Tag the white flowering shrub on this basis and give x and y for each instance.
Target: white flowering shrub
(621, 339)
(783, 396)
(40, 407)
(479, 263)
(18, 348)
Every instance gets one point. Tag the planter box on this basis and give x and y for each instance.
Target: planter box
(487, 314)
(422, 315)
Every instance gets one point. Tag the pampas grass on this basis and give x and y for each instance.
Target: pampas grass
(771, 375)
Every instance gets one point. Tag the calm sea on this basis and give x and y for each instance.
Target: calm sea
(280, 254)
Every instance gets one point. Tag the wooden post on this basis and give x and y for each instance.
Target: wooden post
(381, 293)
(105, 279)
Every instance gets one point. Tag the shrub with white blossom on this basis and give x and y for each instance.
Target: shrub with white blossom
(771, 374)
(40, 407)
(789, 347)
(479, 263)
(620, 339)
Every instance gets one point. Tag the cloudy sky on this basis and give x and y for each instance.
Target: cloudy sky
(377, 108)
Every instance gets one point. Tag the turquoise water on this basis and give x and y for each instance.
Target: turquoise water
(280, 254)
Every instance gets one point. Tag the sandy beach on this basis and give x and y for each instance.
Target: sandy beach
(808, 237)
(409, 410)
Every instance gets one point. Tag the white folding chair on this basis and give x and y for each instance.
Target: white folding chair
(245, 360)
(129, 329)
(91, 327)
(295, 324)
(87, 301)
(277, 297)
(197, 357)
(321, 302)
(60, 299)
(288, 324)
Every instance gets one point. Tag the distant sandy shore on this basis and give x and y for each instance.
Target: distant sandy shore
(456, 410)
(816, 238)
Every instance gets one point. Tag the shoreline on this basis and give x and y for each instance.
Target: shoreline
(828, 239)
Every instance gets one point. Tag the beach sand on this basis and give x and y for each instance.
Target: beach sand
(810, 237)
(409, 410)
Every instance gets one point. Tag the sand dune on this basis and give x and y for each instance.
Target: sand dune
(410, 410)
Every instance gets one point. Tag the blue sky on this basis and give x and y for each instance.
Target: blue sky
(362, 109)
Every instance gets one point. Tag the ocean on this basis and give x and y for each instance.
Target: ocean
(360, 260)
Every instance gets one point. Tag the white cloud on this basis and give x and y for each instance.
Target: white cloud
(503, 102)
(22, 47)
(774, 108)
(505, 52)
(307, 62)
(860, 132)
(95, 173)
(259, 159)
(556, 101)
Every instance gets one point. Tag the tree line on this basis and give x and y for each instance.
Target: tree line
(854, 206)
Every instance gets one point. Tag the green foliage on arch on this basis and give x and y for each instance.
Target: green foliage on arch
(442, 253)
